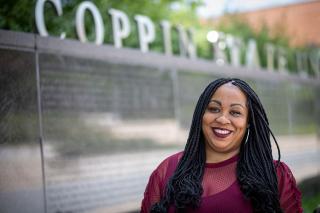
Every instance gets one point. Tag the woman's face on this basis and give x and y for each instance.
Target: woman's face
(224, 122)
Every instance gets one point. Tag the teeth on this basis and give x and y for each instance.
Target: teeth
(222, 131)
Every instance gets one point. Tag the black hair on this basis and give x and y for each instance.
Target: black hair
(256, 172)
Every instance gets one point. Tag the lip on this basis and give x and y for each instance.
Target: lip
(221, 132)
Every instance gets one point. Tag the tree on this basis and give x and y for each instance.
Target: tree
(18, 15)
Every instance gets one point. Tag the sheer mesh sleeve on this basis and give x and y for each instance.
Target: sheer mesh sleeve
(290, 196)
(155, 187)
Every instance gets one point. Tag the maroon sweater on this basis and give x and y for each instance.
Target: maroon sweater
(221, 191)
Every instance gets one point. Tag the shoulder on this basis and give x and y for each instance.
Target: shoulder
(155, 188)
(174, 157)
(169, 162)
(284, 174)
(165, 169)
(283, 171)
(290, 196)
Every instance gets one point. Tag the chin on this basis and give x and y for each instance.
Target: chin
(221, 145)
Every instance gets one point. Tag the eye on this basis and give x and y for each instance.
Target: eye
(235, 113)
(213, 109)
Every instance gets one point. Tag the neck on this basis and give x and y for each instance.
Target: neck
(217, 157)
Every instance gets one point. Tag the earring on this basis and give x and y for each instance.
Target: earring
(247, 136)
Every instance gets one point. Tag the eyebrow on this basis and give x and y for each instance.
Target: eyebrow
(220, 104)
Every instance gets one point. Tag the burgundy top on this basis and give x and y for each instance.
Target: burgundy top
(221, 190)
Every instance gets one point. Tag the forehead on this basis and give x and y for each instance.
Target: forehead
(230, 93)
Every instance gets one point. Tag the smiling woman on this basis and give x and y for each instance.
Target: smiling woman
(224, 123)
(227, 163)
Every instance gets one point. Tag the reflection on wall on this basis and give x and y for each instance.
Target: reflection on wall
(106, 125)
(291, 107)
(21, 186)
(100, 121)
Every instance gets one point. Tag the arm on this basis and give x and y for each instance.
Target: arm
(157, 182)
(290, 196)
(153, 192)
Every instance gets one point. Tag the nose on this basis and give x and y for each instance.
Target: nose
(223, 119)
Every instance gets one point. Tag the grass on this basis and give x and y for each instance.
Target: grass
(310, 203)
(310, 189)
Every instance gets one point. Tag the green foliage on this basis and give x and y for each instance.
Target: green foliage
(310, 203)
(18, 15)
(310, 189)
(204, 48)
(18, 128)
(238, 26)
(71, 137)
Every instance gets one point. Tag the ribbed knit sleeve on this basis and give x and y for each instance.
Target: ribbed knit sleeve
(290, 196)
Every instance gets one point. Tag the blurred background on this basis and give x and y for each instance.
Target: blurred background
(83, 125)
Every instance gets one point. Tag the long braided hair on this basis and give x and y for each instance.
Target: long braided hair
(255, 168)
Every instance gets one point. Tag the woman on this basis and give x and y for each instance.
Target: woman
(227, 163)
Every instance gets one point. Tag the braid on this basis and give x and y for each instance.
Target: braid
(255, 169)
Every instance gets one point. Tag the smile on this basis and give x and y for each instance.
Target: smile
(221, 133)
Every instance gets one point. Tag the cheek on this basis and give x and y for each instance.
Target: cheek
(206, 119)
(241, 125)
(205, 126)
(209, 117)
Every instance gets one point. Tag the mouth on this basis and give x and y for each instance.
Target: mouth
(221, 133)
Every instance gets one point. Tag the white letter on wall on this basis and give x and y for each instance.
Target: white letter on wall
(146, 32)
(252, 57)
(219, 47)
(41, 27)
(120, 26)
(166, 26)
(186, 45)
(234, 44)
(302, 63)
(99, 28)
(282, 60)
(314, 58)
(270, 56)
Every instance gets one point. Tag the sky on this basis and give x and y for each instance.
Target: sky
(215, 8)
